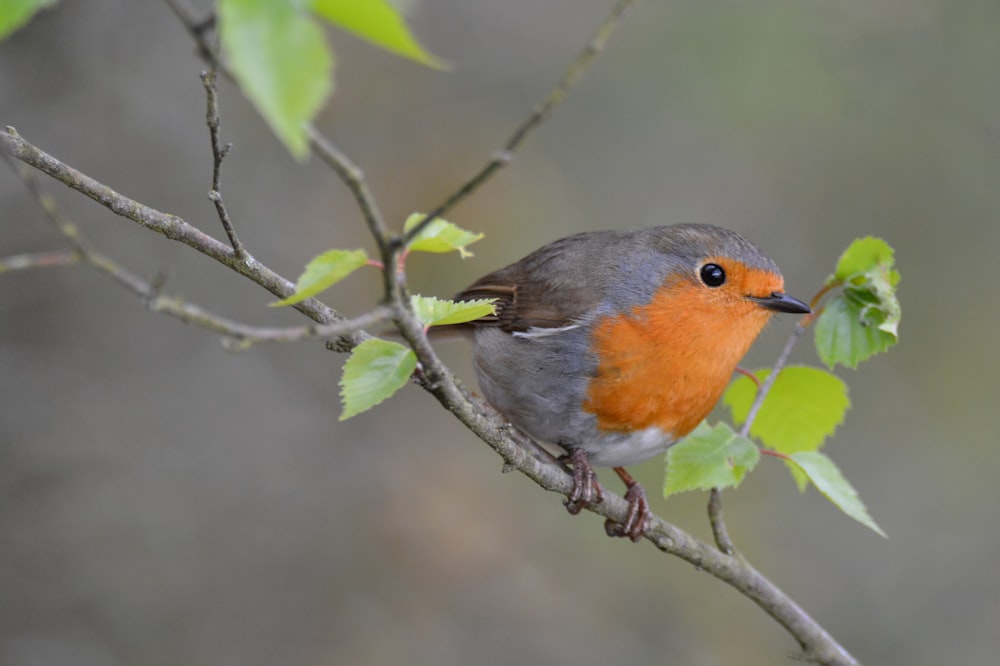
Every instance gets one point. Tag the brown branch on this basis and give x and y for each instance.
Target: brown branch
(715, 518)
(171, 226)
(238, 336)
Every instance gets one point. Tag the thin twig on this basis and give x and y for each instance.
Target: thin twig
(238, 336)
(504, 156)
(765, 388)
(715, 518)
(20, 262)
(219, 152)
(354, 178)
(349, 172)
(171, 226)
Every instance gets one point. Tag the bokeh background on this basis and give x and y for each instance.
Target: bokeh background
(163, 501)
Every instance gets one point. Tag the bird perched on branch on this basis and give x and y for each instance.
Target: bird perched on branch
(613, 345)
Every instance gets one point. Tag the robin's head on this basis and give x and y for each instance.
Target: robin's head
(715, 269)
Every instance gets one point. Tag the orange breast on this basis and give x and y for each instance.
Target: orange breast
(667, 364)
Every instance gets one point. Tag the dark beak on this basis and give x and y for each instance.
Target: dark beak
(781, 303)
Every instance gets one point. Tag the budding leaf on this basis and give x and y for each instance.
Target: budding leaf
(16, 13)
(279, 57)
(863, 319)
(323, 272)
(864, 255)
(438, 312)
(440, 236)
(379, 22)
(829, 481)
(375, 370)
(710, 457)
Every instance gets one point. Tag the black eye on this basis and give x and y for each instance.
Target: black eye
(713, 275)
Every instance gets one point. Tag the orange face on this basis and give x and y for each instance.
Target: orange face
(668, 362)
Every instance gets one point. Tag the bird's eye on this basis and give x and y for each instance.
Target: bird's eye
(713, 275)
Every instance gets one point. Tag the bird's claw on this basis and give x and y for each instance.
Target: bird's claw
(638, 514)
(635, 522)
(586, 489)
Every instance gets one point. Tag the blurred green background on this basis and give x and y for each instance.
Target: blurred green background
(163, 501)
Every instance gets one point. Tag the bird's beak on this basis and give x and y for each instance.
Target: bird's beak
(780, 302)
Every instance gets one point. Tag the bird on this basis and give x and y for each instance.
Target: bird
(614, 345)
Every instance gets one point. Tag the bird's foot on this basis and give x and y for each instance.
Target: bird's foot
(634, 526)
(586, 489)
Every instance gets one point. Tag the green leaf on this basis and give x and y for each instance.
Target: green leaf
(16, 13)
(379, 22)
(279, 57)
(323, 272)
(710, 457)
(440, 236)
(864, 255)
(829, 481)
(375, 370)
(849, 332)
(803, 408)
(437, 312)
(862, 320)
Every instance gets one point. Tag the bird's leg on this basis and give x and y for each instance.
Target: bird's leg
(638, 510)
(586, 489)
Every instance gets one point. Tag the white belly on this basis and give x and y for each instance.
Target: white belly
(620, 450)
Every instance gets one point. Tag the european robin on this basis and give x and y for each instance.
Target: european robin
(613, 345)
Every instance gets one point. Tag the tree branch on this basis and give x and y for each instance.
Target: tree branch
(171, 226)
(238, 336)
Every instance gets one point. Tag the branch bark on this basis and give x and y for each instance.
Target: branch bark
(170, 226)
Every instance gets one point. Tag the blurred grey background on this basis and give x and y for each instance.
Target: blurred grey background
(163, 501)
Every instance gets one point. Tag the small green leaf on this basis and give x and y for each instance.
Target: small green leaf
(710, 457)
(279, 57)
(440, 236)
(829, 481)
(849, 331)
(863, 320)
(379, 22)
(375, 370)
(437, 312)
(864, 255)
(323, 272)
(16, 13)
(803, 408)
